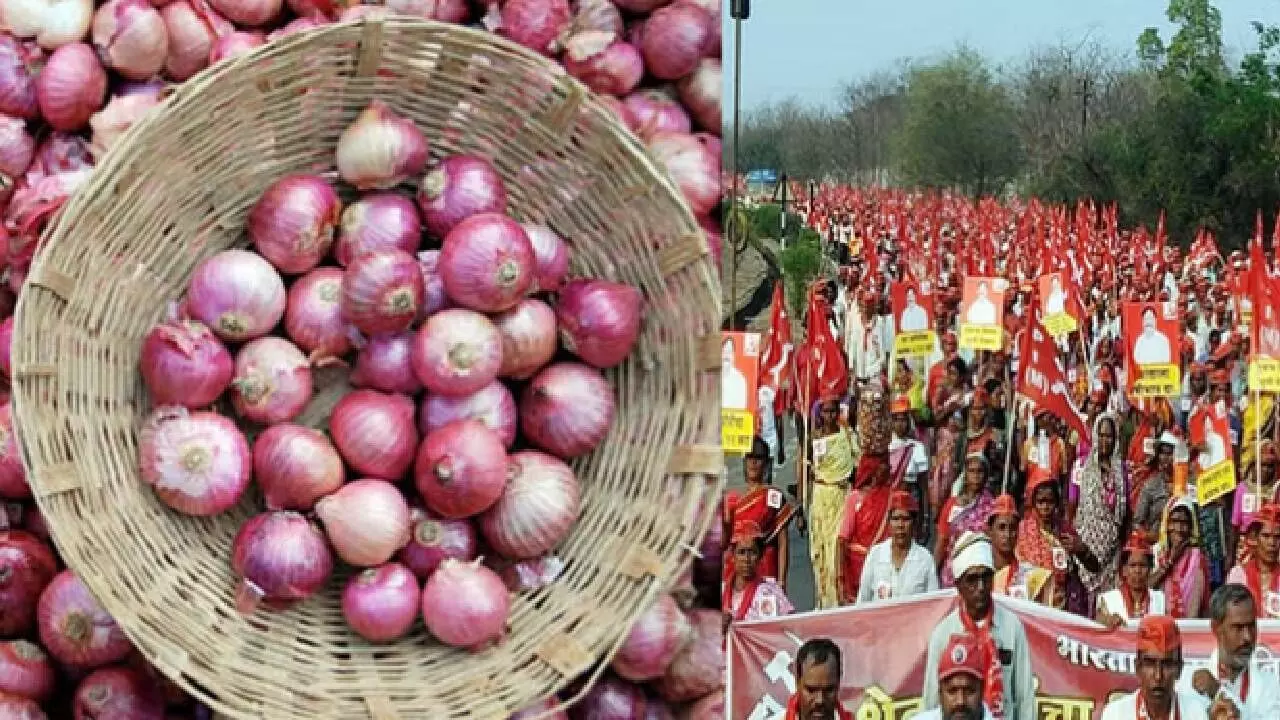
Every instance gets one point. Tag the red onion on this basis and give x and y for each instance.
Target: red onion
(657, 111)
(604, 64)
(11, 514)
(17, 80)
(674, 40)
(383, 291)
(366, 520)
(433, 539)
(536, 24)
(25, 670)
(623, 113)
(197, 462)
(17, 146)
(184, 363)
(75, 629)
(13, 707)
(120, 114)
(537, 509)
(487, 263)
(599, 321)
(542, 711)
(234, 45)
(26, 567)
(385, 363)
(461, 469)
(249, 13)
(382, 603)
(281, 559)
(492, 405)
(655, 638)
(456, 188)
(450, 11)
(567, 409)
(272, 382)
(457, 352)
(691, 165)
(378, 221)
(551, 257)
(700, 92)
(295, 466)
(698, 669)
(641, 7)
(611, 699)
(465, 604)
(237, 294)
(313, 315)
(71, 87)
(131, 38)
(190, 40)
(434, 297)
(34, 524)
(526, 576)
(710, 707)
(380, 149)
(528, 338)
(598, 15)
(292, 224)
(13, 478)
(119, 693)
(375, 433)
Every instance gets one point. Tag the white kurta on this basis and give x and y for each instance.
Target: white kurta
(1262, 702)
(1126, 708)
(1113, 602)
(882, 581)
(1011, 641)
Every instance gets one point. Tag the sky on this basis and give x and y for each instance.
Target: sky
(807, 48)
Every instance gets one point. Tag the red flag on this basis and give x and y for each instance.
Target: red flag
(820, 365)
(775, 355)
(1040, 377)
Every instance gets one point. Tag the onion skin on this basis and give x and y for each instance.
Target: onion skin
(17, 81)
(184, 363)
(378, 221)
(551, 257)
(293, 223)
(239, 295)
(272, 382)
(691, 165)
(381, 604)
(375, 433)
(385, 364)
(611, 699)
(456, 188)
(131, 37)
(17, 146)
(119, 693)
(465, 605)
(380, 149)
(599, 321)
(674, 40)
(27, 565)
(75, 629)
(657, 636)
(536, 24)
(295, 466)
(367, 521)
(198, 463)
(710, 707)
(234, 45)
(657, 111)
(313, 315)
(13, 477)
(461, 469)
(529, 338)
(382, 291)
(249, 13)
(71, 87)
(537, 509)
(281, 557)
(606, 66)
(567, 409)
(493, 405)
(487, 263)
(450, 11)
(698, 669)
(434, 297)
(190, 40)
(701, 91)
(25, 670)
(433, 539)
(457, 352)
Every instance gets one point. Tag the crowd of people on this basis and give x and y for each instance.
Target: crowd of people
(937, 470)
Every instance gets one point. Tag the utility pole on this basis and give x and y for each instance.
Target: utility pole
(739, 10)
(1085, 88)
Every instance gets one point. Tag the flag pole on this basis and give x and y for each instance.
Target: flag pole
(1012, 422)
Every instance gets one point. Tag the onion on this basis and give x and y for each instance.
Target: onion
(456, 188)
(13, 707)
(461, 469)
(487, 263)
(537, 509)
(526, 576)
(295, 466)
(622, 112)
(13, 478)
(119, 693)
(700, 92)
(493, 405)
(657, 111)
(450, 11)
(434, 539)
(604, 64)
(26, 567)
(710, 707)
(17, 78)
(131, 38)
(183, 363)
(17, 146)
(382, 603)
(542, 710)
(272, 382)
(75, 629)
(598, 15)
(25, 670)
(698, 669)
(434, 298)
(641, 7)
(313, 315)
(34, 524)
(375, 433)
(71, 87)
(465, 604)
(234, 45)
(385, 363)
(551, 257)
(528, 338)
(281, 558)
(379, 221)
(599, 321)
(197, 462)
(692, 166)
(363, 12)
(190, 40)
(366, 520)
(655, 638)
(611, 699)
(674, 40)
(536, 24)
(237, 294)
(567, 409)
(120, 114)
(292, 224)
(380, 149)
(62, 153)
(457, 352)
(382, 291)
(249, 13)
(52, 23)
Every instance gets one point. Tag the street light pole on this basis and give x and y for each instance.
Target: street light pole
(739, 10)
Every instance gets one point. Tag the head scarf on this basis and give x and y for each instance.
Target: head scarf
(1098, 521)
(1187, 502)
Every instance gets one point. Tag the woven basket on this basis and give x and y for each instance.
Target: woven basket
(177, 189)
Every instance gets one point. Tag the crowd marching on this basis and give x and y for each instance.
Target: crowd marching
(1026, 400)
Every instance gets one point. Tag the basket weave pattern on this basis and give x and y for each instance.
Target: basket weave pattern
(178, 188)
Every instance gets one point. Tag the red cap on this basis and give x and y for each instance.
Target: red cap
(1138, 544)
(746, 532)
(904, 501)
(1158, 635)
(1004, 505)
(963, 655)
(901, 404)
(1267, 516)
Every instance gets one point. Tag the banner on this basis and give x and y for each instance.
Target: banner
(1056, 305)
(1079, 665)
(982, 313)
(1150, 332)
(1264, 365)
(913, 320)
(1040, 377)
(1210, 430)
(739, 371)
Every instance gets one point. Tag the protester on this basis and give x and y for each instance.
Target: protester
(1261, 573)
(897, 567)
(968, 510)
(750, 595)
(835, 452)
(764, 507)
(1232, 673)
(1181, 569)
(908, 452)
(1133, 599)
(817, 696)
(1100, 507)
(961, 682)
(1158, 665)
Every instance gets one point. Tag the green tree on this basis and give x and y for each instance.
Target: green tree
(801, 263)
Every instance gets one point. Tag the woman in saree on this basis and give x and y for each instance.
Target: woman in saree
(1254, 490)
(1100, 508)
(967, 510)
(1181, 570)
(951, 395)
(765, 508)
(747, 594)
(948, 452)
(834, 454)
(1043, 545)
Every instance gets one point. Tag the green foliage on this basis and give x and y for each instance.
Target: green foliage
(767, 221)
(801, 263)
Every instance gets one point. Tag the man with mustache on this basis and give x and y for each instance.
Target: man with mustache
(960, 682)
(1158, 665)
(817, 695)
(1232, 676)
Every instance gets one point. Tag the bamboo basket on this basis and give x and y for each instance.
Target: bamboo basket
(177, 189)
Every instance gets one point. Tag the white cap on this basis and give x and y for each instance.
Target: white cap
(973, 550)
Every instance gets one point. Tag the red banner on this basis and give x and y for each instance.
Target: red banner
(1079, 665)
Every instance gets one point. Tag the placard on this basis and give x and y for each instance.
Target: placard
(982, 313)
(739, 372)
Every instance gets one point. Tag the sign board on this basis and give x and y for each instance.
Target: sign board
(739, 373)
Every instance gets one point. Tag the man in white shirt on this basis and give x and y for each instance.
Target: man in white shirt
(897, 567)
(1232, 675)
(1158, 665)
(1151, 347)
(961, 682)
(982, 311)
(914, 318)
